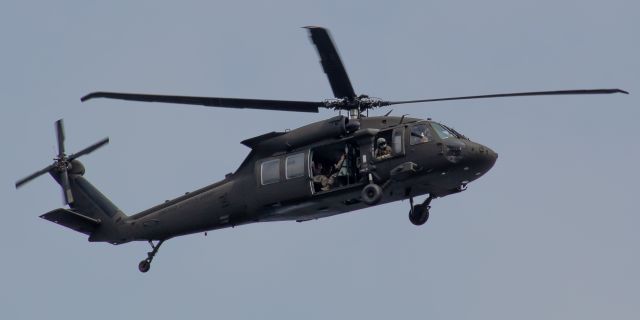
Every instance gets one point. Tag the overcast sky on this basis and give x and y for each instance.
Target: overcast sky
(550, 233)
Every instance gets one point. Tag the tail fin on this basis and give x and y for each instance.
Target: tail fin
(93, 207)
(90, 212)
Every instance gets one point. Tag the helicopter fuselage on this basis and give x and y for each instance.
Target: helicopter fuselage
(323, 178)
(322, 169)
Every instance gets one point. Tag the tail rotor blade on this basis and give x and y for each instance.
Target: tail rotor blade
(62, 164)
(66, 187)
(89, 149)
(34, 175)
(60, 136)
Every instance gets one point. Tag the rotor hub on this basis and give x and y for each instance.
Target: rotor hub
(355, 105)
(61, 163)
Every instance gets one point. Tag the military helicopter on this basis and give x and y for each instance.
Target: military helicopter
(326, 168)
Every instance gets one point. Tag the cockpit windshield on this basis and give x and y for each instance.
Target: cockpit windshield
(442, 131)
(445, 132)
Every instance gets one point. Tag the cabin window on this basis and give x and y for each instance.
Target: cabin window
(441, 131)
(270, 171)
(294, 166)
(420, 134)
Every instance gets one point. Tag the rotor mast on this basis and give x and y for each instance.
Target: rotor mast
(354, 114)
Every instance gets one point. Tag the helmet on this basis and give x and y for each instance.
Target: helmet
(381, 142)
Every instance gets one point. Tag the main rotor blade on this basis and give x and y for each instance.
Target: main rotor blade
(517, 94)
(32, 176)
(89, 149)
(331, 63)
(60, 136)
(281, 105)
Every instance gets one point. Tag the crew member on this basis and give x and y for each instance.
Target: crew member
(383, 150)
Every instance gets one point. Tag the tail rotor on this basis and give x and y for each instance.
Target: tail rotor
(62, 163)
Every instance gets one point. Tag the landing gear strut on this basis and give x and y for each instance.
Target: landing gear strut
(419, 214)
(145, 264)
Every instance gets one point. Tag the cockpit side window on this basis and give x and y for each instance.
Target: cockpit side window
(382, 145)
(420, 133)
(441, 131)
(398, 133)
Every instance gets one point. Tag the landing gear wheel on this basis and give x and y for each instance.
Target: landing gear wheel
(419, 214)
(144, 265)
(371, 194)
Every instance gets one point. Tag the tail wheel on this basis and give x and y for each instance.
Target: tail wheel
(371, 194)
(144, 265)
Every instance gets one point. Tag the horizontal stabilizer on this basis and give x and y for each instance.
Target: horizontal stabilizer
(72, 220)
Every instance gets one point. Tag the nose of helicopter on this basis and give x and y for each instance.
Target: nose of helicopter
(490, 157)
(482, 159)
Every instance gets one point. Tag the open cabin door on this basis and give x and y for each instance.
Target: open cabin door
(334, 166)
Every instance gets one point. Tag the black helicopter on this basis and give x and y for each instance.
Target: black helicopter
(322, 169)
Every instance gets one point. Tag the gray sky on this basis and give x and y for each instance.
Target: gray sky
(549, 233)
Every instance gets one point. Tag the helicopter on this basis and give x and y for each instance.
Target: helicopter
(326, 168)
